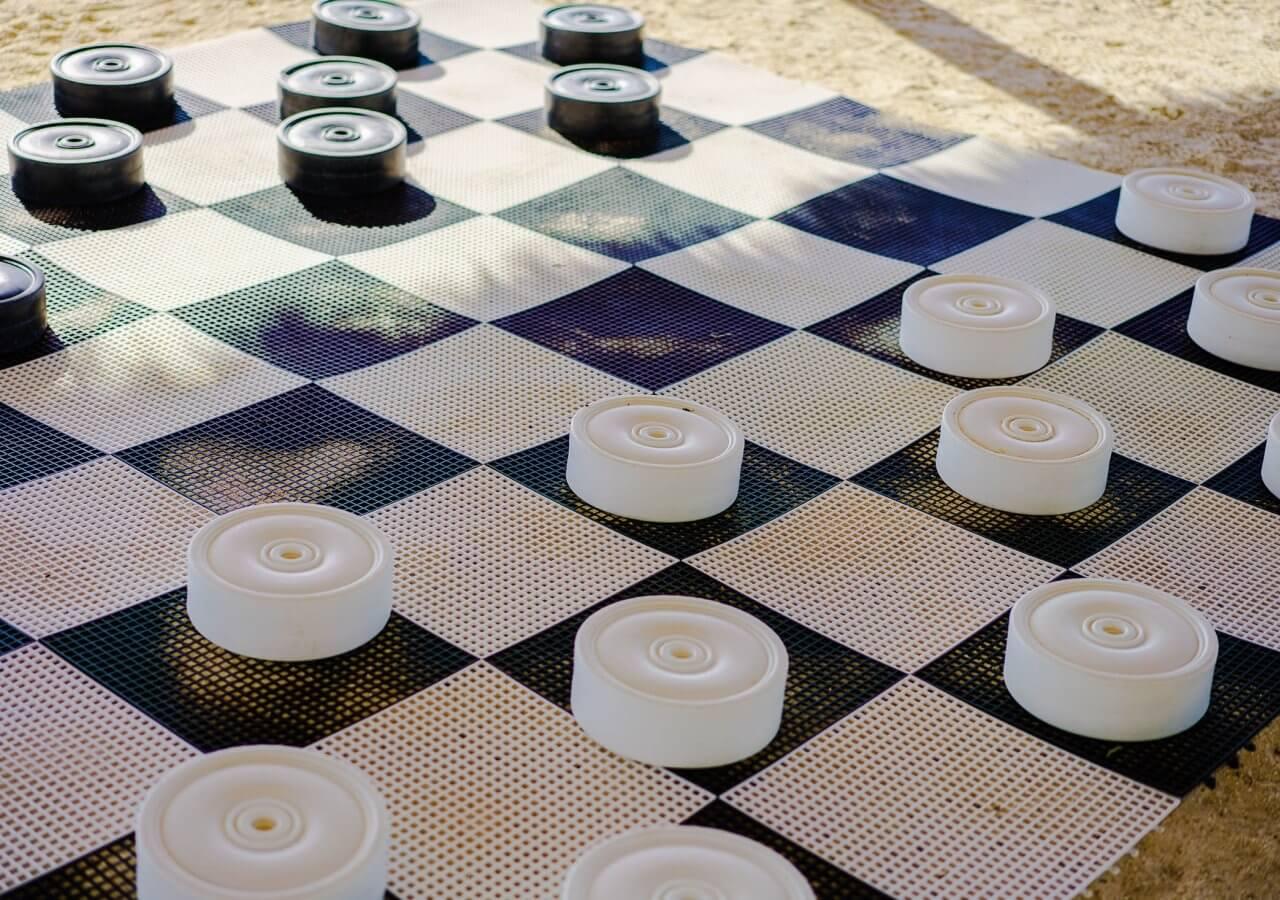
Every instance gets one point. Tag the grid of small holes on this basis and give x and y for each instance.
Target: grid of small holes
(781, 273)
(1165, 328)
(826, 406)
(625, 215)
(78, 310)
(180, 267)
(769, 486)
(89, 541)
(29, 449)
(825, 681)
(1243, 480)
(11, 638)
(727, 165)
(939, 799)
(484, 562)
(844, 129)
(138, 382)
(41, 225)
(675, 129)
(74, 762)
(152, 656)
(223, 155)
(699, 87)
(324, 320)
(1165, 412)
(643, 328)
(338, 225)
(1214, 552)
(1134, 493)
(494, 792)
(875, 575)
(491, 393)
(104, 874)
(235, 70)
(488, 167)
(873, 328)
(1246, 696)
(486, 85)
(1088, 278)
(305, 446)
(486, 268)
(825, 879)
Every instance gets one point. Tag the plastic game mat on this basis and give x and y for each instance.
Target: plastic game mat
(415, 357)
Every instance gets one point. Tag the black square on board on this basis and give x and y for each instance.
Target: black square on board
(39, 225)
(1134, 494)
(152, 656)
(11, 638)
(1246, 697)
(771, 485)
(306, 445)
(1243, 481)
(30, 449)
(893, 218)
(107, 873)
(826, 680)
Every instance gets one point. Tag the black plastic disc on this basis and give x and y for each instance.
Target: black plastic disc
(22, 312)
(123, 82)
(602, 102)
(342, 152)
(76, 162)
(371, 29)
(345, 81)
(592, 33)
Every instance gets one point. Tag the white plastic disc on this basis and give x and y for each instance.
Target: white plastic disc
(263, 823)
(683, 862)
(678, 681)
(654, 458)
(1185, 211)
(1024, 450)
(1112, 660)
(1235, 315)
(976, 326)
(1271, 457)
(289, 581)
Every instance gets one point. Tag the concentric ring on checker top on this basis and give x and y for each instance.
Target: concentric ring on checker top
(683, 862)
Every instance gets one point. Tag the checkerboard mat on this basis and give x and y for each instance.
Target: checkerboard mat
(415, 357)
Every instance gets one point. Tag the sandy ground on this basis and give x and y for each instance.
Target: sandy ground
(1115, 85)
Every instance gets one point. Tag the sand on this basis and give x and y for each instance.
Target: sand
(1115, 85)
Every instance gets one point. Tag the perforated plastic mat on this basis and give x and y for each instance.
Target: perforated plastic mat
(415, 357)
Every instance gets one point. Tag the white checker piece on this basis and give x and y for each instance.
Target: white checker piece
(488, 85)
(817, 402)
(781, 273)
(141, 381)
(1088, 277)
(180, 267)
(924, 796)
(720, 88)
(485, 267)
(728, 168)
(1166, 412)
(75, 761)
(488, 167)
(493, 23)
(237, 70)
(90, 541)
(485, 562)
(538, 791)
(981, 171)
(1218, 554)
(875, 575)
(491, 393)
(214, 157)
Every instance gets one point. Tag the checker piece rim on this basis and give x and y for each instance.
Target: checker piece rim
(367, 15)
(360, 78)
(683, 862)
(111, 63)
(603, 83)
(75, 142)
(263, 822)
(592, 18)
(341, 132)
